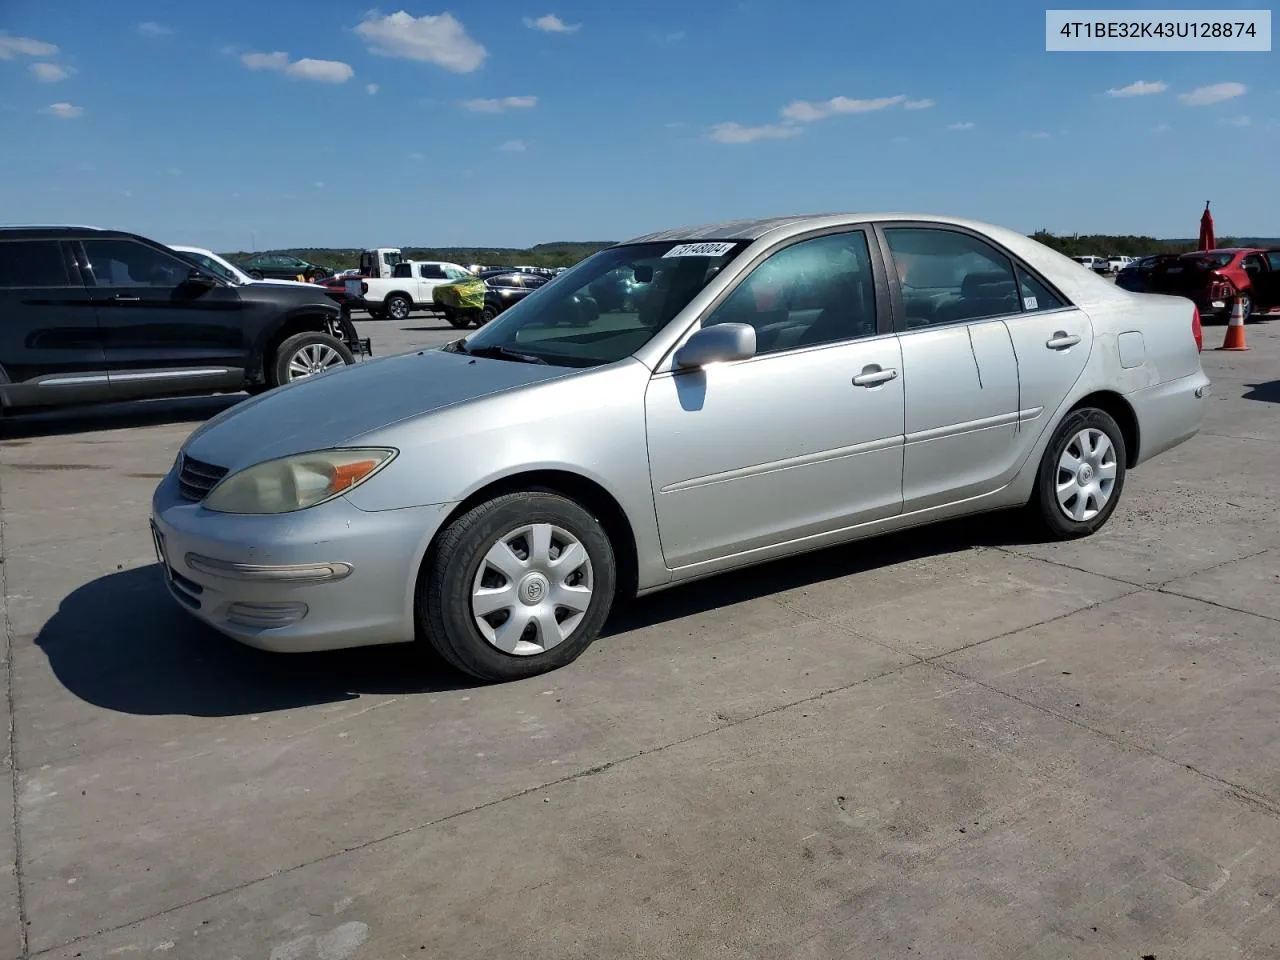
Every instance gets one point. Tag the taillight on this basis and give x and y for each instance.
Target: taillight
(1195, 329)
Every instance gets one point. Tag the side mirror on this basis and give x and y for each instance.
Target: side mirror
(197, 279)
(643, 274)
(719, 343)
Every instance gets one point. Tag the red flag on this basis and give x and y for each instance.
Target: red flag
(1207, 239)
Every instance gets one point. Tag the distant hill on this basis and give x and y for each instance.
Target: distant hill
(565, 253)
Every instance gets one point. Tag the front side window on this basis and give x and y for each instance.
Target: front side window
(33, 263)
(431, 271)
(810, 293)
(213, 267)
(1274, 259)
(607, 307)
(126, 263)
(950, 277)
(1253, 265)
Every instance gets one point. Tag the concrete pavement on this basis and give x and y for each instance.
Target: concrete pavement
(953, 743)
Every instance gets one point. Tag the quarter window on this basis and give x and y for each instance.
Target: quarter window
(810, 293)
(125, 263)
(432, 271)
(950, 277)
(1035, 295)
(33, 263)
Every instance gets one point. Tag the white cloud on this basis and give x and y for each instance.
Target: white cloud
(924, 104)
(150, 28)
(416, 156)
(674, 36)
(371, 88)
(1139, 88)
(64, 111)
(514, 146)
(1213, 93)
(1038, 135)
(321, 71)
(174, 172)
(319, 184)
(674, 125)
(499, 104)
(441, 40)
(550, 23)
(737, 133)
(802, 111)
(1162, 128)
(966, 125)
(50, 72)
(901, 139)
(24, 46)
(1241, 121)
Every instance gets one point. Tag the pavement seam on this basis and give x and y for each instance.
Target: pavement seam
(1215, 603)
(1010, 551)
(1239, 791)
(15, 812)
(1232, 436)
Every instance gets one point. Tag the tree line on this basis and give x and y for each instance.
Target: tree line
(567, 253)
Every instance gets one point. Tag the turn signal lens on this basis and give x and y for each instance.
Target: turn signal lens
(297, 482)
(1195, 329)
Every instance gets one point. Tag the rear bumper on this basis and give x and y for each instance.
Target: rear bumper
(1169, 413)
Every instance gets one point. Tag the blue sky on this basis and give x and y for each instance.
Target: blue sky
(319, 122)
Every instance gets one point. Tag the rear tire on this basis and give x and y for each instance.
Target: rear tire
(456, 319)
(1081, 475)
(255, 274)
(398, 306)
(487, 315)
(314, 351)
(462, 579)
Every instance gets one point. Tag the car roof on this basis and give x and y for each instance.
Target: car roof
(1209, 253)
(20, 231)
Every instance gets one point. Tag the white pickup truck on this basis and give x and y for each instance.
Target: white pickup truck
(409, 287)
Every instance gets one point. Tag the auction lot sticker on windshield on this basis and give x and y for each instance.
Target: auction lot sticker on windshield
(699, 250)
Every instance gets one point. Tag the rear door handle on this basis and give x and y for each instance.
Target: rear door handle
(873, 376)
(121, 298)
(1062, 340)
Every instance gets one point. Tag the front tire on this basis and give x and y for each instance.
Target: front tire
(398, 306)
(1081, 475)
(456, 319)
(517, 586)
(487, 315)
(306, 354)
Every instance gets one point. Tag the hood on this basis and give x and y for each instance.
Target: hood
(334, 408)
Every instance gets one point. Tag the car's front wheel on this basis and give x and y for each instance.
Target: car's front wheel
(517, 586)
(1081, 475)
(486, 315)
(306, 354)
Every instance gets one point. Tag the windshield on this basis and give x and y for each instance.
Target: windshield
(608, 306)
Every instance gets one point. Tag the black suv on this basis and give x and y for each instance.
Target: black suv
(89, 315)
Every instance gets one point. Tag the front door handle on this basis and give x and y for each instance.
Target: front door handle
(1061, 340)
(121, 298)
(873, 376)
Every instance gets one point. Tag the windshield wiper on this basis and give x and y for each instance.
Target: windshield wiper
(498, 352)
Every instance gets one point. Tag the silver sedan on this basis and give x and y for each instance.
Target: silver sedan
(681, 404)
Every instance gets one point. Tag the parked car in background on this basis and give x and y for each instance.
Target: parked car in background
(1117, 262)
(409, 287)
(93, 315)
(1213, 278)
(494, 496)
(379, 262)
(347, 290)
(222, 268)
(1136, 276)
(1096, 264)
(502, 289)
(279, 266)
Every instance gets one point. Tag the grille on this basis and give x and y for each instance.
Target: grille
(197, 478)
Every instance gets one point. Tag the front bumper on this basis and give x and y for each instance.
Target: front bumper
(325, 578)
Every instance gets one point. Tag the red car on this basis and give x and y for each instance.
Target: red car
(337, 290)
(1213, 278)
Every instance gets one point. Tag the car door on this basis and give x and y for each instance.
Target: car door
(950, 289)
(801, 440)
(1268, 283)
(50, 345)
(161, 332)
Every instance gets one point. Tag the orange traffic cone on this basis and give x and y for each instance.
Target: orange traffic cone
(1234, 339)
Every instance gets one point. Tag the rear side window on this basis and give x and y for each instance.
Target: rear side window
(34, 263)
(1035, 295)
(950, 277)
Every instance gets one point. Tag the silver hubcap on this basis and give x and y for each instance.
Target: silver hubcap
(399, 309)
(313, 358)
(532, 589)
(1086, 475)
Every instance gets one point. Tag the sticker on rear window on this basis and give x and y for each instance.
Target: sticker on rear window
(699, 250)
(1031, 303)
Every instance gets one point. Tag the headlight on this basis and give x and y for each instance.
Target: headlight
(297, 482)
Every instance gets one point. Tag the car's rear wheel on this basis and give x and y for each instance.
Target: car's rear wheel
(1081, 475)
(398, 306)
(306, 354)
(255, 274)
(487, 314)
(456, 319)
(517, 586)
